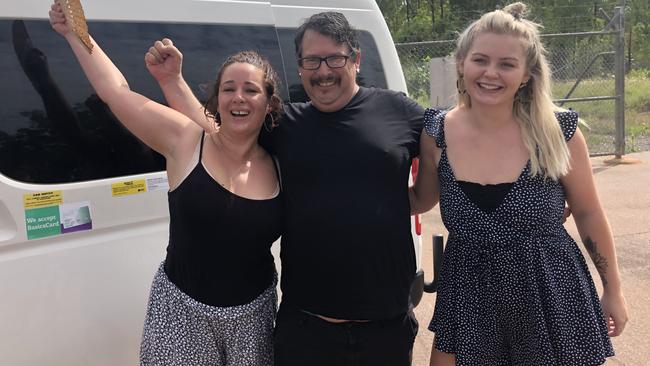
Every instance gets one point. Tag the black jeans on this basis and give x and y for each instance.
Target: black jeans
(302, 339)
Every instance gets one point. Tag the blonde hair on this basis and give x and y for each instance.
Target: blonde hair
(533, 107)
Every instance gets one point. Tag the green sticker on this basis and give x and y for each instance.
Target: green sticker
(42, 222)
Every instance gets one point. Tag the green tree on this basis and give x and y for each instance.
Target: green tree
(419, 20)
(638, 25)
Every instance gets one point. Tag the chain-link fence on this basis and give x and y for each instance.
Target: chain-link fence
(586, 66)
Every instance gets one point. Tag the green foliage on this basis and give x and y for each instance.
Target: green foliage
(642, 45)
(637, 109)
(637, 91)
(426, 20)
(638, 25)
(417, 79)
(416, 30)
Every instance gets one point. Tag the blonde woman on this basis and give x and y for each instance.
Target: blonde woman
(515, 288)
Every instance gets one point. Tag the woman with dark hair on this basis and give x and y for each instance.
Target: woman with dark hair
(213, 299)
(514, 288)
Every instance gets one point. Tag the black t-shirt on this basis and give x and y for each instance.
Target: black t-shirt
(347, 250)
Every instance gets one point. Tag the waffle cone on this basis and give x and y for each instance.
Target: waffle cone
(74, 16)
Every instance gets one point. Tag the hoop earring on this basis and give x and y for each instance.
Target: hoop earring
(266, 124)
(460, 85)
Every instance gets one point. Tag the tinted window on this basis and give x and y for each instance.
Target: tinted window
(54, 128)
(371, 75)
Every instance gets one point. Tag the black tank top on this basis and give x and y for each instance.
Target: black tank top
(486, 197)
(219, 242)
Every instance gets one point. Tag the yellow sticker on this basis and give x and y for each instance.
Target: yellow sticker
(129, 187)
(42, 199)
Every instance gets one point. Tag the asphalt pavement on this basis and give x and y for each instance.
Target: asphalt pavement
(624, 191)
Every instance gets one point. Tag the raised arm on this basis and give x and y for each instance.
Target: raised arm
(424, 194)
(156, 125)
(164, 62)
(595, 232)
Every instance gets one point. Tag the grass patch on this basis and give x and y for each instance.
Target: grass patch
(600, 115)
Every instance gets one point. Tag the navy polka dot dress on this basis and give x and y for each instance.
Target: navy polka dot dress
(514, 287)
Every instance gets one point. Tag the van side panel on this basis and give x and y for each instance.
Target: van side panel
(80, 298)
(244, 12)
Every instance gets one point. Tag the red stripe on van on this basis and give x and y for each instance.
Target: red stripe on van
(414, 172)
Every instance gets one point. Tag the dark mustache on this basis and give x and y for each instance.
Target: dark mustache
(315, 80)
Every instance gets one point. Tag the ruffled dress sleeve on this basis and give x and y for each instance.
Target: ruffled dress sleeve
(434, 125)
(568, 122)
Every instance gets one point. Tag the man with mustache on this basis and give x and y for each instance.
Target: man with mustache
(347, 252)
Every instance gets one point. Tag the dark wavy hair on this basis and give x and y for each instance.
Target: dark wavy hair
(331, 24)
(271, 86)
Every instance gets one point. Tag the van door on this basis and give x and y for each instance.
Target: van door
(83, 204)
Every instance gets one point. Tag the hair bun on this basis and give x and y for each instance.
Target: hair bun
(517, 10)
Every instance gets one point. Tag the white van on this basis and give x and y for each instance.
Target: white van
(83, 206)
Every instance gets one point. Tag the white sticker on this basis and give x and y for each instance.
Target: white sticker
(157, 184)
(75, 216)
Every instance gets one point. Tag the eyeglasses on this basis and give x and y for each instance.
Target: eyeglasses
(333, 62)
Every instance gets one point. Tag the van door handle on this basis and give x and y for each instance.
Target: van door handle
(8, 227)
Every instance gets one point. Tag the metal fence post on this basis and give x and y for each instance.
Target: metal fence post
(619, 140)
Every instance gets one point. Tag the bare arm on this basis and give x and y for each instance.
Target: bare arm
(164, 62)
(595, 232)
(156, 125)
(424, 194)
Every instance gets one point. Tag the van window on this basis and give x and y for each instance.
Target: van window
(54, 128)
(371, 75)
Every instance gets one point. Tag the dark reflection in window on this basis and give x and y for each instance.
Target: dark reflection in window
(54, 128)
(372, 70)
